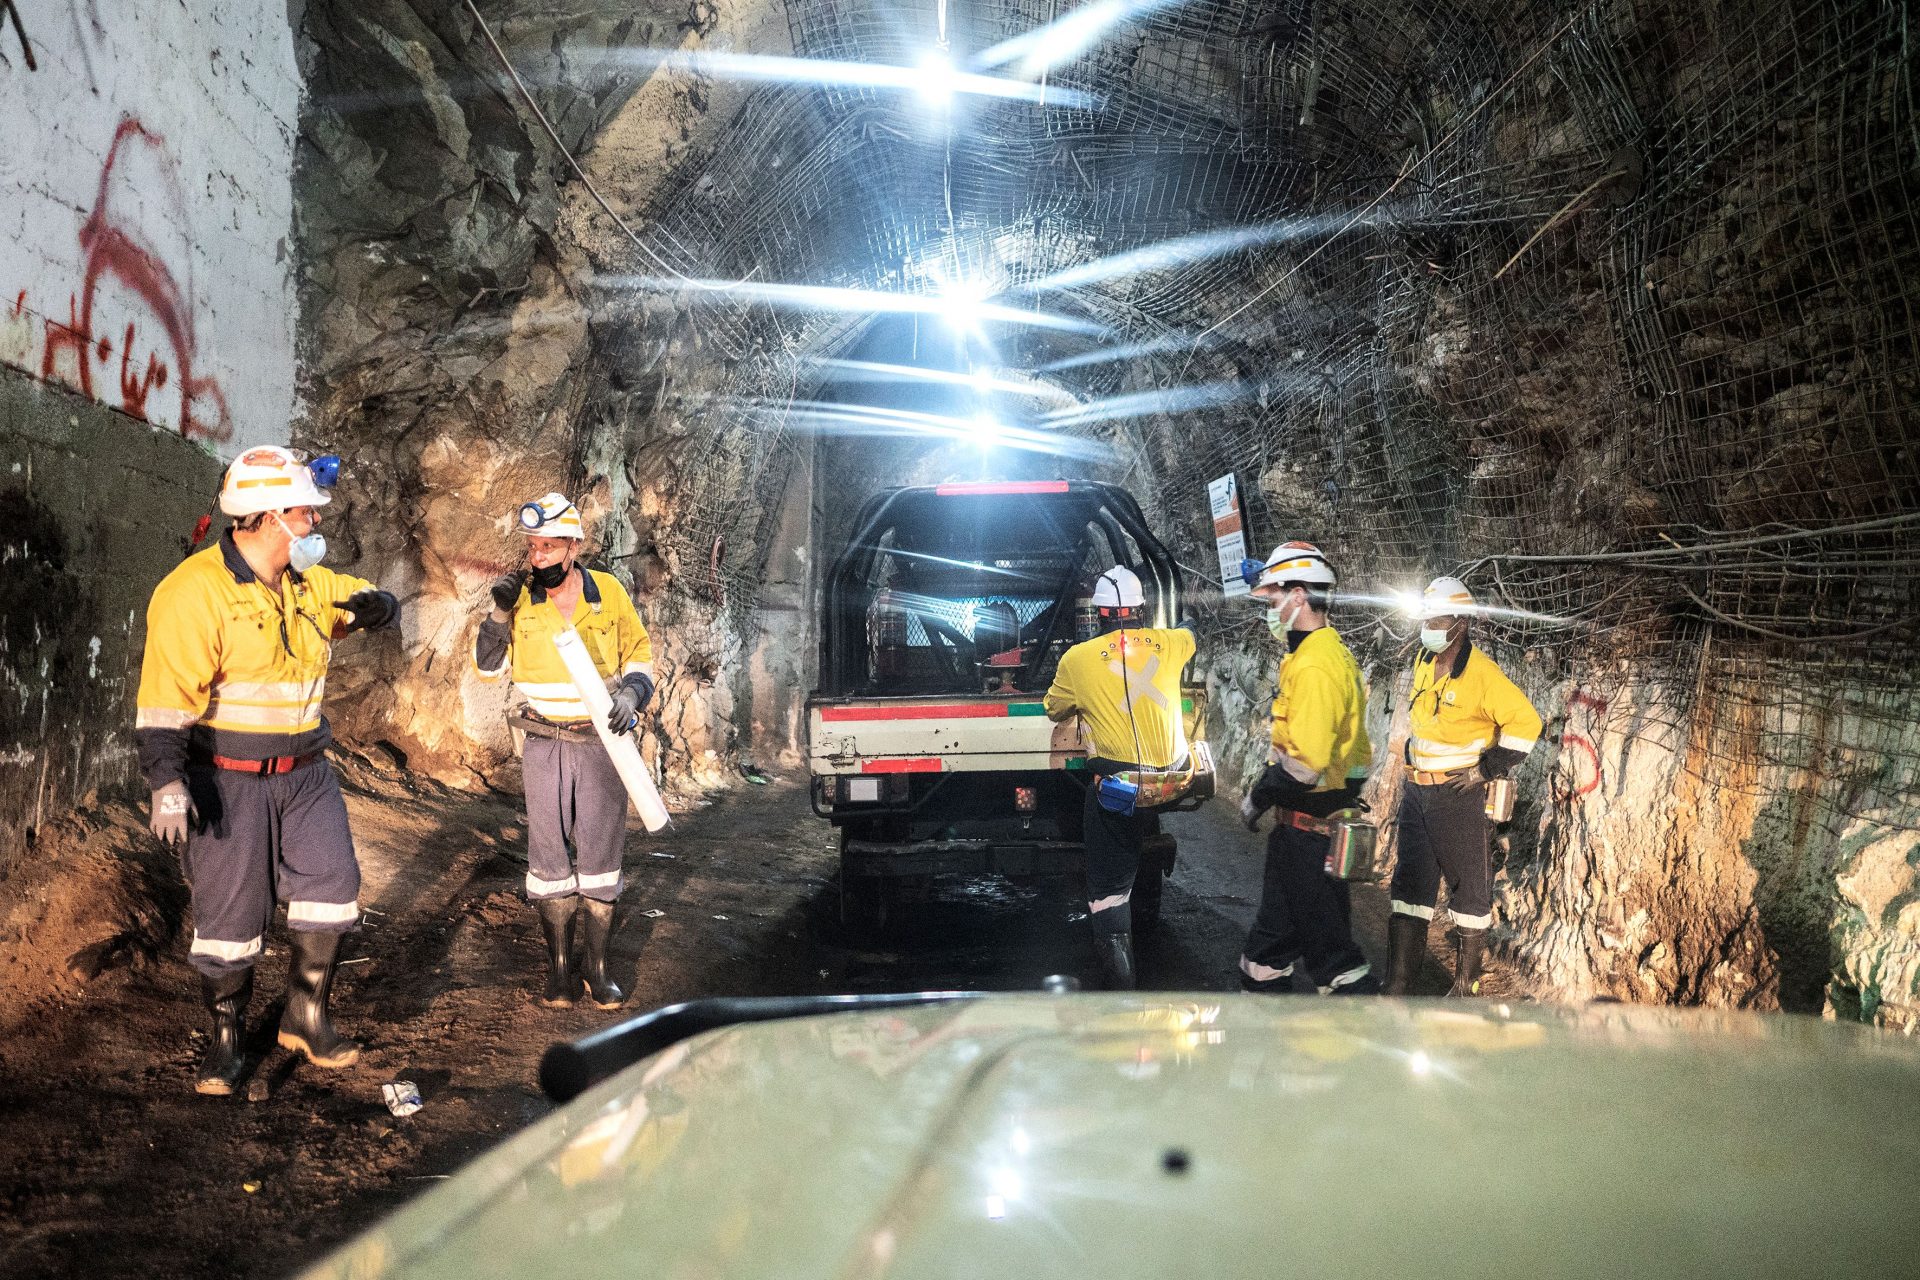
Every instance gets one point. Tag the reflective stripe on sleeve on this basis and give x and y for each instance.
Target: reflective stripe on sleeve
(550, 888)
(1346, 979)
(1296, 770)
(641, 668)
(1513, 742)
(304, 912)
(1409, 909)
(1263, 973)
(164, 718)
(224, 950)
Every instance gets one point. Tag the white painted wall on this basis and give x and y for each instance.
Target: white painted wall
(146, 208)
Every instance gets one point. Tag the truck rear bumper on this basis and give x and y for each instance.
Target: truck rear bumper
(949, 857)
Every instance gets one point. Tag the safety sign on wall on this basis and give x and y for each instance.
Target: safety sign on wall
(1229, 533)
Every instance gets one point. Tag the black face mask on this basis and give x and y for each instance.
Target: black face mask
(549, 577)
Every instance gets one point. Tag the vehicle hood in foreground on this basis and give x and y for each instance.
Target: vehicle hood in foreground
(1121, 1136)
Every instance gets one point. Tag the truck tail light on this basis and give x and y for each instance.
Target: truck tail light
(1026, 799)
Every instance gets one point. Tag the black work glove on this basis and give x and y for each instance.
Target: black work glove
(506, 590)
(1500, 762)
(372, 610)
(1467, 779)
(173, 814)
(634, 693)
(1278, 787)
(1251, 813)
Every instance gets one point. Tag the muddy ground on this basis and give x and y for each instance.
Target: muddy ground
(110, 1166)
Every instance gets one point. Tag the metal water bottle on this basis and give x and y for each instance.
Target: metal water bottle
(1500, 800)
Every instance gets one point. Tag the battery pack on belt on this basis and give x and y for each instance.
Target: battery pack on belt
(271, 765)
(1304, 822)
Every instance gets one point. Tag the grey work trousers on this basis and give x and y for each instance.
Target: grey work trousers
(576, 819)
(281, 836)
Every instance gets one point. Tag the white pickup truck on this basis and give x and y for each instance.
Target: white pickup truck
(927, 741)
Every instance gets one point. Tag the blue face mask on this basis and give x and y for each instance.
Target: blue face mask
(1434, 640)
(303, 553)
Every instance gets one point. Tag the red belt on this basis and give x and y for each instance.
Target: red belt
(271, 765)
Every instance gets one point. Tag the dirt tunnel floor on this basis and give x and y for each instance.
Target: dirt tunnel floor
(111, 1166)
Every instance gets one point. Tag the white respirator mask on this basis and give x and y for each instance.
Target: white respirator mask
(303, 553)
(1281, 623)
(1435, 641)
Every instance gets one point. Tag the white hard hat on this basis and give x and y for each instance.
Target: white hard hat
(1118, 588)
(270, 478)
(1445, 597)
(551, 517)
(1296, 562)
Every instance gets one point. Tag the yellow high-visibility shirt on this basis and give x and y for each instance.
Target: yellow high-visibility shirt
(1088, 682)
(609, 627)
(1459, 713)
(238, 668)
(1320, 715)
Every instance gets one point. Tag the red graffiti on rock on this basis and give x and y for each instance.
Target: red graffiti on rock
(1579, 758)
(122, 261)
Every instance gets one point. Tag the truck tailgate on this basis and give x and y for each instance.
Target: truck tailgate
(947, 734)
(934, 735)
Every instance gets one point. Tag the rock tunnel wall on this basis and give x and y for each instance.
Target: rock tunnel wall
(455, 352)
(1672, 440)
(1607, 307)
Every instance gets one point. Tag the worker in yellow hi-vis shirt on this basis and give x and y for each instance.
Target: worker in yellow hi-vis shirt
(1125, 683)
(1315, 768)
(1469, 724)
(575, 798)
(232, 742)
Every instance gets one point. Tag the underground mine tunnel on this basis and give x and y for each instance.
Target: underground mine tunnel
(861, 342)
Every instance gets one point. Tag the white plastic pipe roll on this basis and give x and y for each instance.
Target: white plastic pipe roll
(621, 746)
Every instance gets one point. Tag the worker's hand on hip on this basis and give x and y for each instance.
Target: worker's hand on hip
(1467, 779)
(173, 815)
(371, 610)
(506, 590)
(1251, 813)
(625, 715)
